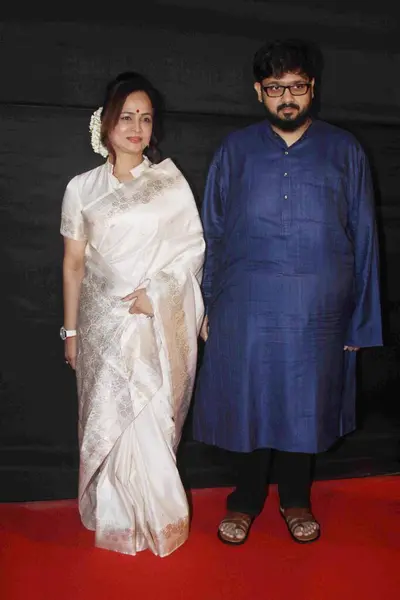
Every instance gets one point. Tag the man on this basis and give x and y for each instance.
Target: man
(291, 289)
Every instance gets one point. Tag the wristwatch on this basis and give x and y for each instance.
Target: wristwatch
(67, 333)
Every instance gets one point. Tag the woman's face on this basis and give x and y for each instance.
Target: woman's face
(132, 133)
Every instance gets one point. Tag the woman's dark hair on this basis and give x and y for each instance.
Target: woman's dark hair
(117, 92)
(287, 56)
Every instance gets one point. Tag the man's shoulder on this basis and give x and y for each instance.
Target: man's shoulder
(244, 134)
(338, 134)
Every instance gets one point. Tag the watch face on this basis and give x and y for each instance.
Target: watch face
(63, 333)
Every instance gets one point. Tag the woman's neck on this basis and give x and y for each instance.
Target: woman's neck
(124, 164)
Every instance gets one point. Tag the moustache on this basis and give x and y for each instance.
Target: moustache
(288, 105)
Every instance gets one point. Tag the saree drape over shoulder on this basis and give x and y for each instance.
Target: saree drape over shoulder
(135, 375)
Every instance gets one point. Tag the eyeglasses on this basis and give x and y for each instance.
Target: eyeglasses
(296, 89)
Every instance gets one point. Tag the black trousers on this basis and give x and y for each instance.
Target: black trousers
(294, 476)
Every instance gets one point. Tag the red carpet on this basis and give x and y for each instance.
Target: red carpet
(46, 554)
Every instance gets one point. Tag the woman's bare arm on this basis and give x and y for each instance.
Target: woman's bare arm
(73, 272)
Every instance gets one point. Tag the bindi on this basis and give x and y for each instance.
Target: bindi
(137, 110)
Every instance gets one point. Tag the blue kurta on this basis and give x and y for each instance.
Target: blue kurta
(291, 277)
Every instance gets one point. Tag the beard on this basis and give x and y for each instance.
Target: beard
(288, 123)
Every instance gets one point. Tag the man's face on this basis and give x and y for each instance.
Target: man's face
(287, 108)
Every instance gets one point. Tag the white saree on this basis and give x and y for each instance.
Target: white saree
(135, 375)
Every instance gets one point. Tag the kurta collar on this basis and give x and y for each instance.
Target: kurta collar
(271, 134)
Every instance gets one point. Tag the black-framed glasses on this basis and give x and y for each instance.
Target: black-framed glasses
(296, 89)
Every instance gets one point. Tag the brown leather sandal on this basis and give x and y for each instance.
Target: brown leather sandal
(237, 523)
(297, 521)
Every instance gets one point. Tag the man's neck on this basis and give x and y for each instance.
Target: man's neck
(291, 137)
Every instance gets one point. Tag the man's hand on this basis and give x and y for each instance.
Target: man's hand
(204, 329)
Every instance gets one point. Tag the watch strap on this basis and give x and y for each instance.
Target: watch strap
(67, 333)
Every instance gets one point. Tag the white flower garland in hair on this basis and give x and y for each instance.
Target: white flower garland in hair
(95, 129)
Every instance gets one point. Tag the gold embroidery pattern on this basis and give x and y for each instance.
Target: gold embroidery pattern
(171, 536)
(178, 351)
(131, 540)
(174, 529)
(98, 378)
(70, 228)
(122, 199)
(117, 540)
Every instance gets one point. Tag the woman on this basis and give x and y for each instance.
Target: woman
(133, 257)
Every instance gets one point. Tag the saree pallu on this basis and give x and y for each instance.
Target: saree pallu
(135, 375)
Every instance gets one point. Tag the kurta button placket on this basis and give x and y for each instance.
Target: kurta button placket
(286, 216)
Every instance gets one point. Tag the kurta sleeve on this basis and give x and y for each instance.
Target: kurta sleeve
(212, 215)
(365, 327)
(72, 222)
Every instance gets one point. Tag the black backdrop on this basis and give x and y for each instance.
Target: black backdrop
(199, 54)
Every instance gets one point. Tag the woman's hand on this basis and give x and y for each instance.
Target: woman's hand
(141, 304)
(204, 329)
(70, 351)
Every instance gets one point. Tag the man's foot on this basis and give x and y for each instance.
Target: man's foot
(234, 529)
(301, 524)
